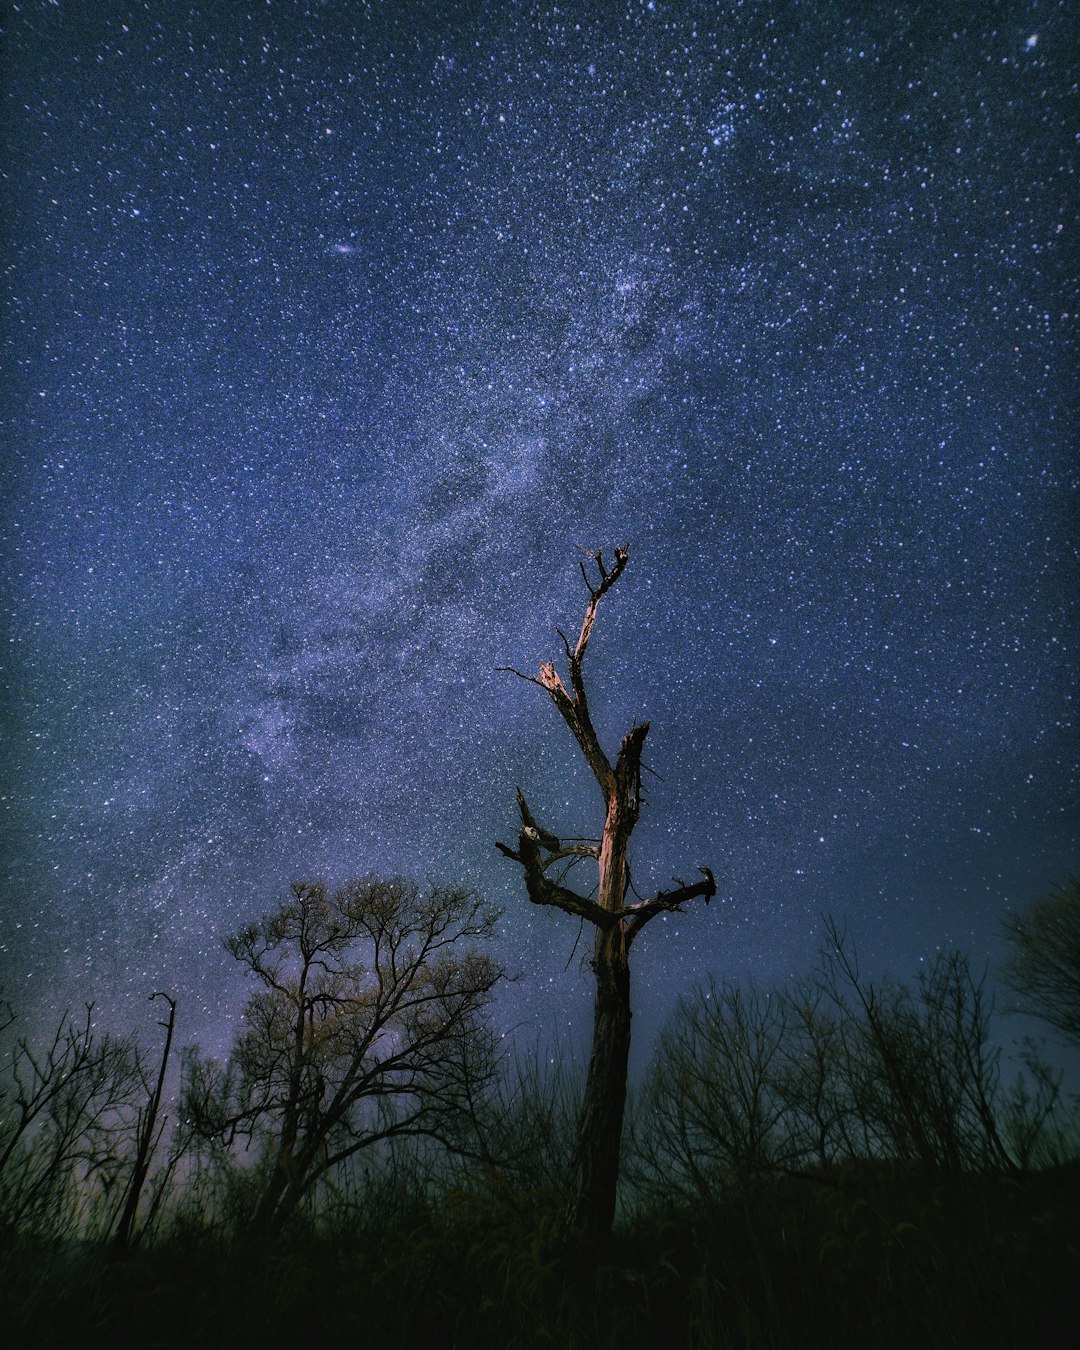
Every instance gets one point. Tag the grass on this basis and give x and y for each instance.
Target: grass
(875, 1257)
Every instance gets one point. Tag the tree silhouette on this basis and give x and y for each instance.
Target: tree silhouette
(67, 1115)
(811, 1076)
(366, 1027)
(148, 1135)
(1043, 965)
(591, 1203)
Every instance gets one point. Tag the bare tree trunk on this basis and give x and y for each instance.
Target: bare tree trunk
(269, 1217)
(276, 1204)
(147, 1136)
(590, 1206)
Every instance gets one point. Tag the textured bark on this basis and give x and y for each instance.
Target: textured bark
(591, 1202)
(590, 1205)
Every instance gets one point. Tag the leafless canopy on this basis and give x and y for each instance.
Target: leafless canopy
(366, 1025)
(1043, 965)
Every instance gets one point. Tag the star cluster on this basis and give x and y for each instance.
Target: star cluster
(334, 329)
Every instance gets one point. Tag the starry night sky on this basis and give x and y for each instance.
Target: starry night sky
(333, 330)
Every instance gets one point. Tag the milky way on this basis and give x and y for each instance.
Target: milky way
(333, 332)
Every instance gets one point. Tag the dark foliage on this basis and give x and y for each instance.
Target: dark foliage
(1043, 966)
(830, 1164)
(878, 1256)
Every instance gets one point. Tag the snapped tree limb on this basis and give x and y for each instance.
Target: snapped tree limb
(668, 902)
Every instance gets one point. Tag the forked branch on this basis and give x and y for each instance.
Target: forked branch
(597, 593)
(537, 850)
(573, 703)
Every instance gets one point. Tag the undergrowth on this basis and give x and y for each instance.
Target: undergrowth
(878, 1257)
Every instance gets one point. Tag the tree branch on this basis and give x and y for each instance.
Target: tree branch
(533, 844)
(510, 670)
(573, 703)
(572, 851)
(667, 902)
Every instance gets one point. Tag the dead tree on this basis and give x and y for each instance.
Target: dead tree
(591, 1203)
(148, 1137)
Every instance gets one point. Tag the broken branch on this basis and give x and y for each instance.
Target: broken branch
(667, 902)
